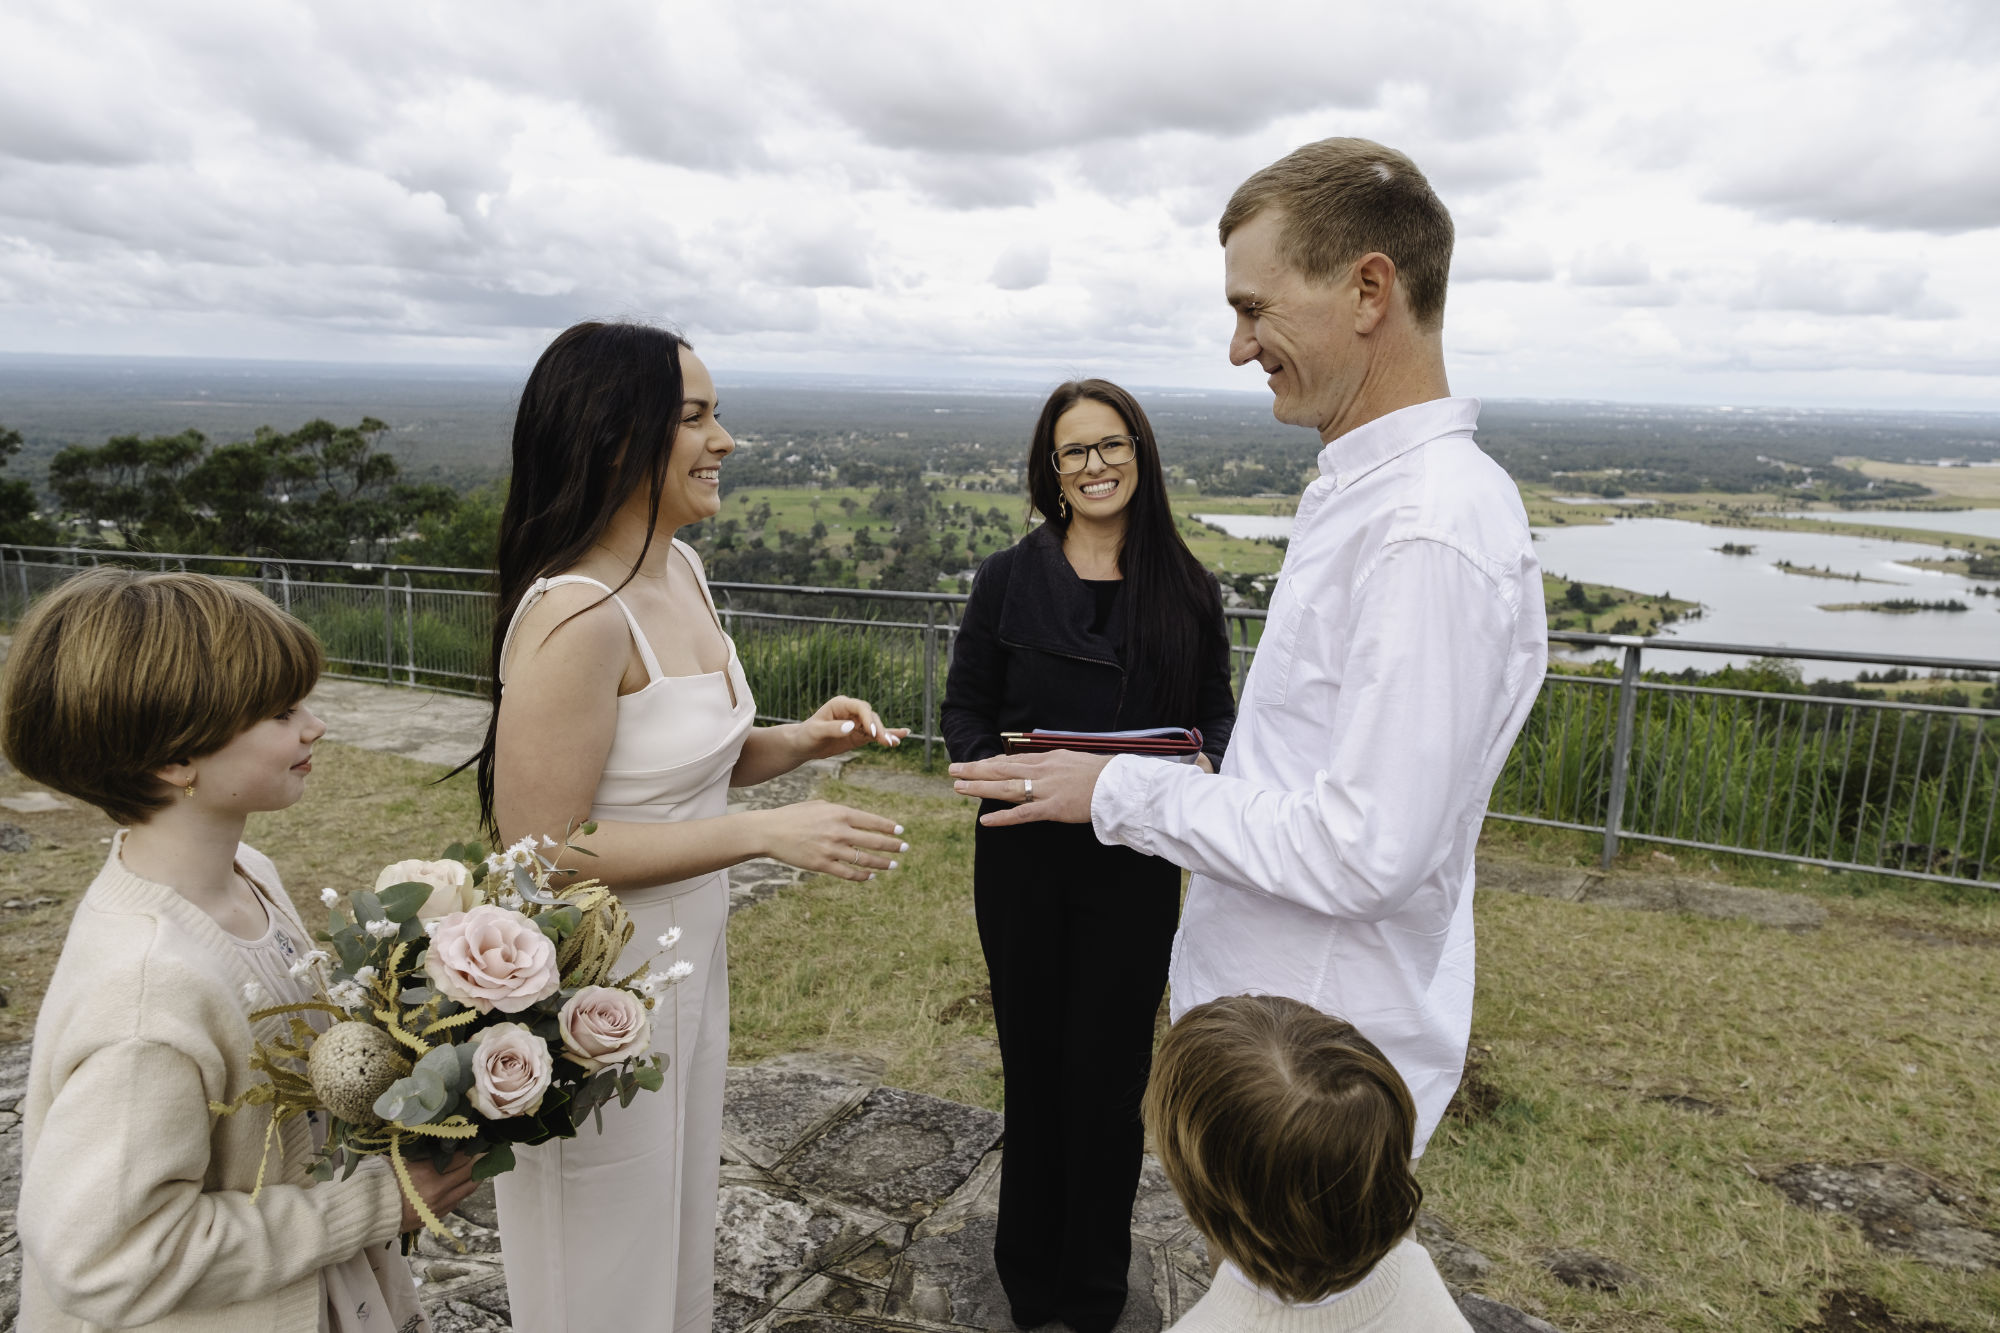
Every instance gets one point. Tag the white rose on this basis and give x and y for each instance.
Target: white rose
(602, 1026)
(451, 885)
(511, 1069)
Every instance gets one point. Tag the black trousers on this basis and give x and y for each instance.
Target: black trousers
(1076, 937)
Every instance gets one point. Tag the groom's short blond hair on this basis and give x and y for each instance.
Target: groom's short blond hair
(1344, 198)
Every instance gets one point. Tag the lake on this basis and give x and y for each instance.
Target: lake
(1971, 522)
(1746, 599)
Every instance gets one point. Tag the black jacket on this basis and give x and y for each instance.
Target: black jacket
(1025, 657)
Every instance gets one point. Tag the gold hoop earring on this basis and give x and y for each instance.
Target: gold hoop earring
(1062, 505)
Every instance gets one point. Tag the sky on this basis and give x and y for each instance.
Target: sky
(1771, 203)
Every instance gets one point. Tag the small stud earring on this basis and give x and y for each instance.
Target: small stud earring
(188, 790)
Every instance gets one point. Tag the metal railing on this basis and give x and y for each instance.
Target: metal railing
(1873, 785)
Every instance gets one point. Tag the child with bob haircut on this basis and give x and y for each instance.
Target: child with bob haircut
(1288, 1135)
(173, 703)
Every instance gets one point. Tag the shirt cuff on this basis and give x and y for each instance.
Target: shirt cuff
(1119, 802)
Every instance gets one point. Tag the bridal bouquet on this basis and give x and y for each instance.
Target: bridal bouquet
(475, 1007)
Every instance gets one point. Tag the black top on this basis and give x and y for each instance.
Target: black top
(1106, 592)
(1040, 647)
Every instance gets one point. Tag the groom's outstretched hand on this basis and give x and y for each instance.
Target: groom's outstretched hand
(1056, 785)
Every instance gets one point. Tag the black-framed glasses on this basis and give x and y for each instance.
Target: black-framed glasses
(1111, 450)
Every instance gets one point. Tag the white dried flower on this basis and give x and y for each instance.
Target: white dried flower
(365, 976)
(382, 930)
(430, 927)
(329, 897)
(671, 938)
(679, 971)
(547, 841)
(253, 994)
(512, 901)
(305, 964)
(347, 994)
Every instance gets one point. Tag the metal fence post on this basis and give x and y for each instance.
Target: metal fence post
(388, 632)
(409, 632)
(1621, 747)
(930, 679)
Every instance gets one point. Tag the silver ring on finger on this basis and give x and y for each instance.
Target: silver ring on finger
(1027, 789)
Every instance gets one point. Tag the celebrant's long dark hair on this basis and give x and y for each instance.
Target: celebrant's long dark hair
(597, 421)
(1172, 609)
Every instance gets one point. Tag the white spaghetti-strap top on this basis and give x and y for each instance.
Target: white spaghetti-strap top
(678, 738)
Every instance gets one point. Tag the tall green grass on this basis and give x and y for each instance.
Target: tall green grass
(1898, 787)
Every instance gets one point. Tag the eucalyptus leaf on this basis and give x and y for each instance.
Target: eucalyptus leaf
(416, 995)
(649, 1077)
(401, 901)
(367, 907)
(444, 1064)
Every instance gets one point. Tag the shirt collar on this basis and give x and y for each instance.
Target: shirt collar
(1352, 456)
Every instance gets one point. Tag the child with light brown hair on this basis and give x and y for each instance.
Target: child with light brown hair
(174, 703)
(1287, 1135)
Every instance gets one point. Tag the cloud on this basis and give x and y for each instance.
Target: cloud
(1021, 267)
(1785, 282)
(833, 258)
(1482, 260)
(1611, 266)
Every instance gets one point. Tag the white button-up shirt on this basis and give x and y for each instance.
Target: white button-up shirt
(1332, 855)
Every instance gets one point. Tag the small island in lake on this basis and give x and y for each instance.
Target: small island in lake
(1736, 548)
(1815, 572)
(1899, 606)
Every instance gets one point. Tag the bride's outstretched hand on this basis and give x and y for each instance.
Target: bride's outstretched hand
(832, 839)
(844, 724)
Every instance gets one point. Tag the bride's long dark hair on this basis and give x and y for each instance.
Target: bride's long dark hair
(1172, 610)
(597, 421)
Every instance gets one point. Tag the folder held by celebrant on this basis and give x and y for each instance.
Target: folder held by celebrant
(1182, 743)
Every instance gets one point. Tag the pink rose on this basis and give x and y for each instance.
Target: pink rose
(491, 958)
(511, 1069)
(451, 885)
(604, 1026)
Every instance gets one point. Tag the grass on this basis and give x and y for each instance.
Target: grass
(1873, 1037)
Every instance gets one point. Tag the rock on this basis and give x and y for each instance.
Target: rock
(1457, 1263)
(1492, 1317)
(1900, 1210)
(33, 803)
(898, 1154)
(1590, 1272)
(14, 838)
(769, 1238)
(768, 1111)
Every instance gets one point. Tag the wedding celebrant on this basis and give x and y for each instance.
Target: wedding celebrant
(1333, 853)
(1100, 619)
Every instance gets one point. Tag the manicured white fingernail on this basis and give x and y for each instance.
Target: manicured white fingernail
(846, 727)
(894, 864)
(905, 847)
(871, 874)
(899, 829)
(871, 729)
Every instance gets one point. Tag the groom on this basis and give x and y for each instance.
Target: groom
(1333, 854)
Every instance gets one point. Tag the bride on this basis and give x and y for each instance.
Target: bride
(618, 698)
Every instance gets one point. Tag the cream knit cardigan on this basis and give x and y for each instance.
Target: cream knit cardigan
(135, 1204)
(1401, 1294)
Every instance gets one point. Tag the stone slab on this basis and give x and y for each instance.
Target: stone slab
(898, 1154)
(769, 1112)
